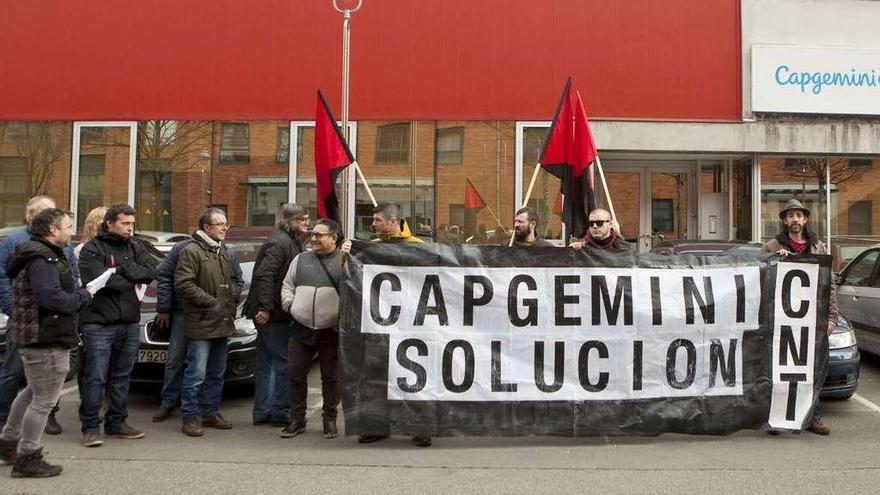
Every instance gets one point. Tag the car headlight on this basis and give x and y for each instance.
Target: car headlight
(841, 338)
(245, 331)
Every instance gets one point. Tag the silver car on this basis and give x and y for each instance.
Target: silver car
(858, 297)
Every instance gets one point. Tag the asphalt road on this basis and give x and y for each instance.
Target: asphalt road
(254, 460)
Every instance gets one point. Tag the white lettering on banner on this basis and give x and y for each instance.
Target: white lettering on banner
(794, 341)
(829, 80)
(538, 334)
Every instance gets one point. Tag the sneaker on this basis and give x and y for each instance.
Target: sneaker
(330, 430)
(124, 431)
(52, 426)
(162, 414)
(371, 438)
(422, 441)
(293, 429)
(32, 465)
(218, 422)
(818, 427)
(91, 439)
(7, 450)
(192, 428)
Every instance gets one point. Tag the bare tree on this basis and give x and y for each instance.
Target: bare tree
(38, 145)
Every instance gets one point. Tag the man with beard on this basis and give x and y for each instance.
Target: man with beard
(389, 226)
(795, 239)
(525, 228)
(601, 234)
(43, 327)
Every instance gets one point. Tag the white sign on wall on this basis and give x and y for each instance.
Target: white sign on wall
(796, 79)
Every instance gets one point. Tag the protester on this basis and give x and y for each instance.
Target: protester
(602, 234)
(204, 280)
(110, 330)
(263, 305)
(90, 228)
(389, 226)
(525, 228)
(43, 328)
(796, 238)
(12, 376)
(311, 295)
(169, 314)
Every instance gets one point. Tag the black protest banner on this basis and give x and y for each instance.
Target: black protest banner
(443, 340)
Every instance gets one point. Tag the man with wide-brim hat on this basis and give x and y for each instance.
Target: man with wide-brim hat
(796, 238)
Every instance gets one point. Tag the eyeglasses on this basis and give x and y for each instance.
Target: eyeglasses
(319, 235)
(597, 223)
(221, 225)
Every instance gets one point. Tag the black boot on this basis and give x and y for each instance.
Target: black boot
(7, 450)
(32, 465)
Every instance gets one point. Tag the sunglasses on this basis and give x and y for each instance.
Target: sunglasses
(597, 223)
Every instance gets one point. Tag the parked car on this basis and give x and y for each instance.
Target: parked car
(858, 297)
(241, 361)
(707, 248)
(843, 353)
(843, 363)
(163, 241)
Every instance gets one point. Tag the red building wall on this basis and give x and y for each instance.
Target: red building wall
(426, 59)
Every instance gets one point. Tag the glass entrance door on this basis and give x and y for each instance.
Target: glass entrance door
(102, 167)
(652, 203)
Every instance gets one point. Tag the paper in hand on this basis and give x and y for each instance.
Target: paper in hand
(100, 281)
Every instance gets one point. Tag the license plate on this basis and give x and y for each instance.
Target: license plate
(151, 356)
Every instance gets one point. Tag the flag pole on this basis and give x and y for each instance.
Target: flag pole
(496, 218)
(527, 198)
(605, 189)
(366, 184)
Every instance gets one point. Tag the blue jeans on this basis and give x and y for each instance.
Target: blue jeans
(11, 379)
(272, 384)
(104, 344)
(177, 345)
(203, 378)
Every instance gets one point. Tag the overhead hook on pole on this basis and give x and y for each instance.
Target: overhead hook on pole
(347, 12)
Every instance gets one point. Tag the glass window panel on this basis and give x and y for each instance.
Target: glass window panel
(282, 155)
(859, 273)
(235, 143)
(742, 199)
(855, 193)
(669, 191)
(450, 143)
(172, 178)
(104, 178)
(34, 160)
(393, 143)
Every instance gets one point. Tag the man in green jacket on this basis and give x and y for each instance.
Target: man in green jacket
(204, 280)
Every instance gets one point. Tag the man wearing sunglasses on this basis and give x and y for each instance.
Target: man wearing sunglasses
(310, 293)
(601, 234)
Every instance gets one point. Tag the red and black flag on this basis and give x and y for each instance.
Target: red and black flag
(331, 157)
(567, 154)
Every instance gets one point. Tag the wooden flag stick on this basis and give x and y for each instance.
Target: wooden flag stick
(366, 184)
(527, 198)
(496, 219)
(607, 195)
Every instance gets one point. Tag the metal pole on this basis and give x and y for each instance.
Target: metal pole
(346, 44)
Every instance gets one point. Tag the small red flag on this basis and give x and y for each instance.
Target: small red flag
(472, 198)
(332, 155)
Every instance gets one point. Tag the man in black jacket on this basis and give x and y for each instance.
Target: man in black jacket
(110, 330)
(263, 305)
(43, 328)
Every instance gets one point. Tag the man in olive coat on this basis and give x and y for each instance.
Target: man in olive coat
(204, 280)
